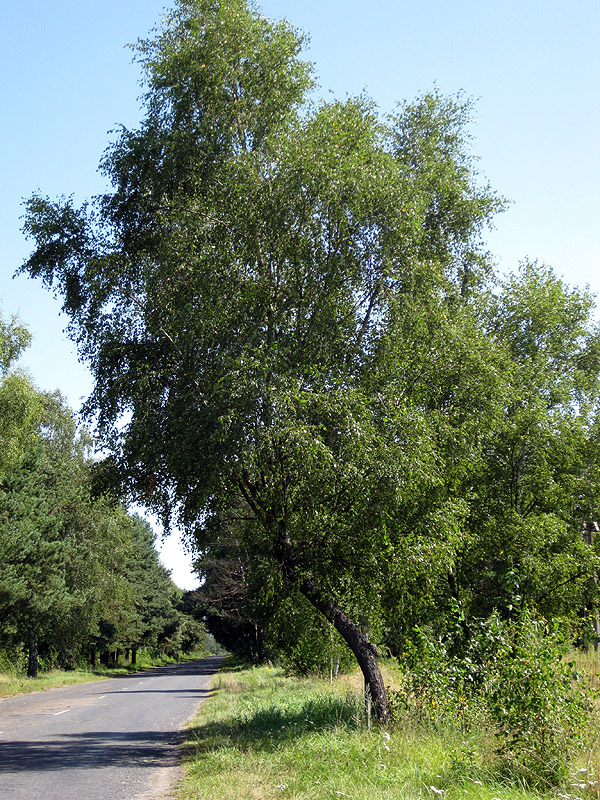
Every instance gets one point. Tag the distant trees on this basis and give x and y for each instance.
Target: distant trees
(530, 481)
(77, 573)
(19, 402)
(537, 481)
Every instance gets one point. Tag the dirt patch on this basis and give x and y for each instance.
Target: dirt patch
(163, 786)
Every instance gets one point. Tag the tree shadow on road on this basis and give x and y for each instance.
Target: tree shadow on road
(92, 750)
(204, 666)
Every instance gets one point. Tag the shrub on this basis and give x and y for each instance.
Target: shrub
(537, 702)
(512, 677)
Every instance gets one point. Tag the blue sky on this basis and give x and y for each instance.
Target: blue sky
(532, 65)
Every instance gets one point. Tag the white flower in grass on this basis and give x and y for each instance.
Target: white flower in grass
(435, 790)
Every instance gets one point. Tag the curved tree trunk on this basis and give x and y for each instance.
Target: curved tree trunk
(365, 652)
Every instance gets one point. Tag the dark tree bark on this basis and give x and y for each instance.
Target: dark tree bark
(365, 651)
(32, 665)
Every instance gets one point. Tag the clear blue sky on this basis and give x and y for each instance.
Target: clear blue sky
(533, 65)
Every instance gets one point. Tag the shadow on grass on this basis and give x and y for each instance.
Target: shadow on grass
(231, 663)
(268, 728)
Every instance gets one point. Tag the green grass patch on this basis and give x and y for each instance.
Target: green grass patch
(18, 684)
(13, 682)
(263, 735)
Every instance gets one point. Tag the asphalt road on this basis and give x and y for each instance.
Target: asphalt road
(105, 740)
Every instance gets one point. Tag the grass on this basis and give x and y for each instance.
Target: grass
(19, 684)
(263, 735)
(13, 682)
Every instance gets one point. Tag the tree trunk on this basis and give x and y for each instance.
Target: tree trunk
(134, 655)
(93, 657)
(365, 652)
(32, 666)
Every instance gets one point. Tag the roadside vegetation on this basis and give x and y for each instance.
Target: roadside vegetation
(15, 681)
(377, 445)
(81, 581)
(266, 735)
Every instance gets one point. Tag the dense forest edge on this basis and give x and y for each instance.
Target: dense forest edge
(381, 450)
(81, 582)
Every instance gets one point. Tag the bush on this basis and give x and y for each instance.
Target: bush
(512, 677)
(538, 703)
(303, 643)
(440, 686)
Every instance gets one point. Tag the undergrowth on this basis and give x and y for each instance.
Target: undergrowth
(517, 681)
(263, 735)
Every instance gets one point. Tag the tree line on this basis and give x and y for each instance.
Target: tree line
(80, 578)
(507, 523)
(363, 428)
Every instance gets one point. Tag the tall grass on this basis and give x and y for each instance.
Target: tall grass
(263, 735)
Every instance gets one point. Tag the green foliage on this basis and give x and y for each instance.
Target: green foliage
(292, 306)
(153, 593)
(303, 642)
(539, 706)
(77, 573)
(538, 480)
(526, 485)
(439, 688)
(34, 591)
(19, 402)
(14, 338)
(511, 678)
